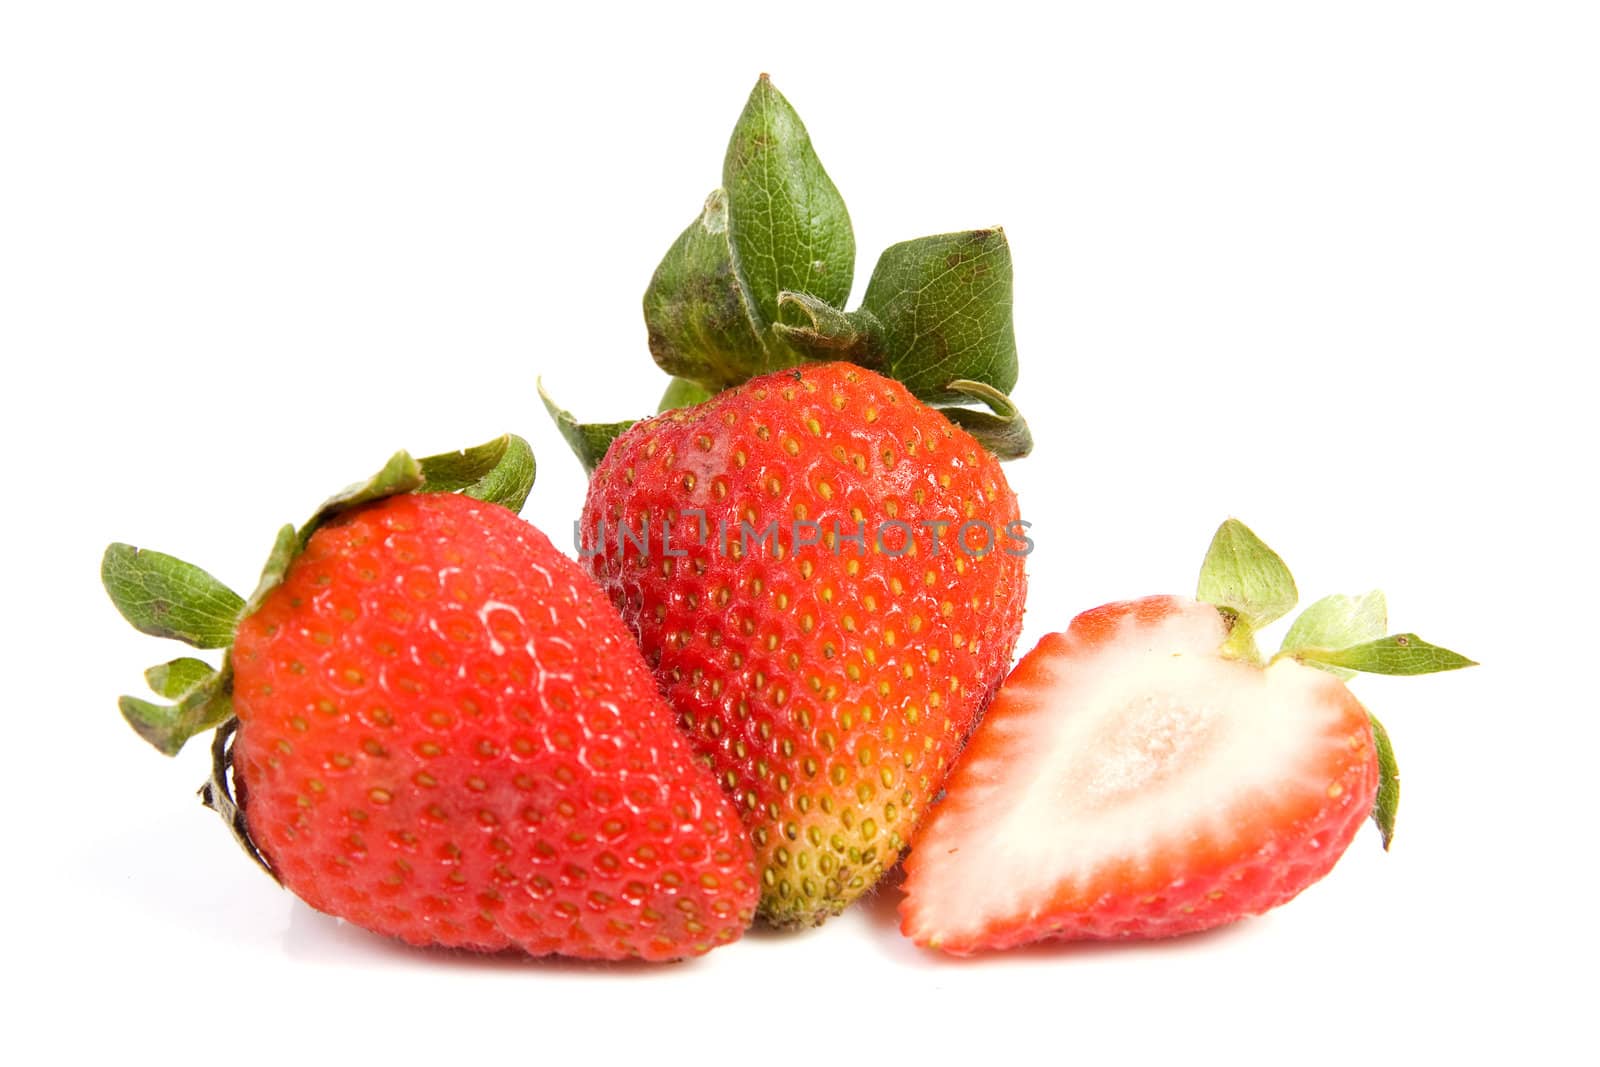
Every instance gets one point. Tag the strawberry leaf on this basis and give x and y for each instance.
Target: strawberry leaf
(498, 472)
(943, 305)
(1388, 799)
(588, 440)
(165, 597)
(822, 331)
(788, 224)
(703, 324)
(167, 726)
(177, 677)
(1245, 578)
(217, 795)
(1397, 654)
(285, 547)
(1338, 621)
(1004, 432)
(937, 311)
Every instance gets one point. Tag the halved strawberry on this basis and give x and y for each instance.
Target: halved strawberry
(1144, 775)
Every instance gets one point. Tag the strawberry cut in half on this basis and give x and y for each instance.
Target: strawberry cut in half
(1144, 774)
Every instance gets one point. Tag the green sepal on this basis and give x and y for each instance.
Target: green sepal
(1001, 430)
(1241, 641)
(702, 323)
(501, 472)
(205, 704)
(401, 474)
(176, 677)
(789, 227)
(1244, 578)
(163, 596)
(217, 794)
(285, 547)
(936, 312)
(682, 393)
(1403, 654)
(1338, 621)
(166, 597)
(823, 332)
(588, 440)
(942, 305)
(1387, 803)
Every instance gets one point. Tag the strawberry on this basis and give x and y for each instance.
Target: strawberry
(444, 733)
(1144, 774)
(827, 576)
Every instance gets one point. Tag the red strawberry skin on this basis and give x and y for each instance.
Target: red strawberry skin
(447, 736)
(1277, 841)
(830, 690)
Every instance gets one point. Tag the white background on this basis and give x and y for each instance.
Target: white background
(1331, 269)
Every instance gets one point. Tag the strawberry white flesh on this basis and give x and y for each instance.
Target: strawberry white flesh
(1130, 781)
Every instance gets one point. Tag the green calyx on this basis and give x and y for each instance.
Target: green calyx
(759, 280)
(1343, 635)
(164, 596)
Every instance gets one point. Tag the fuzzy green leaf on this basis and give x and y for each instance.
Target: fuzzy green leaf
(402, 474)
(1338, 621)
(942, 310)
(790, 229)
(682, 393)
(588, 440)
(203, 706)
(1397, 654)
(285, 547)
(176, 677)
(703, 324)
(821, 331)
(1387, 803)
(165, 597)
(499, 472)
(1245, 578)
(1004, 432)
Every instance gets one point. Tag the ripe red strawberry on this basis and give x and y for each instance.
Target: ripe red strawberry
(1144, 775)
(829, 681)
(446, 735)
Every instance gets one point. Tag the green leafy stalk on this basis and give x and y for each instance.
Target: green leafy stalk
(1387, 804)
(588, 440)
(703, 322)
(166, 597)
(1343, 635)
(1396, 654)
(791, 231)
(1002, 429)
(176, 677)
(501, 472)
(758, 282)
(205, 704)
(1245, 578)
(1339, 621)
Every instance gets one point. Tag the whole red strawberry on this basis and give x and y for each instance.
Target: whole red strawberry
(827, 576)
(1144, 774)
(446, 735)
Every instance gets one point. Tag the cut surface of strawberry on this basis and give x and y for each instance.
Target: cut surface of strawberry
(1131, 781)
